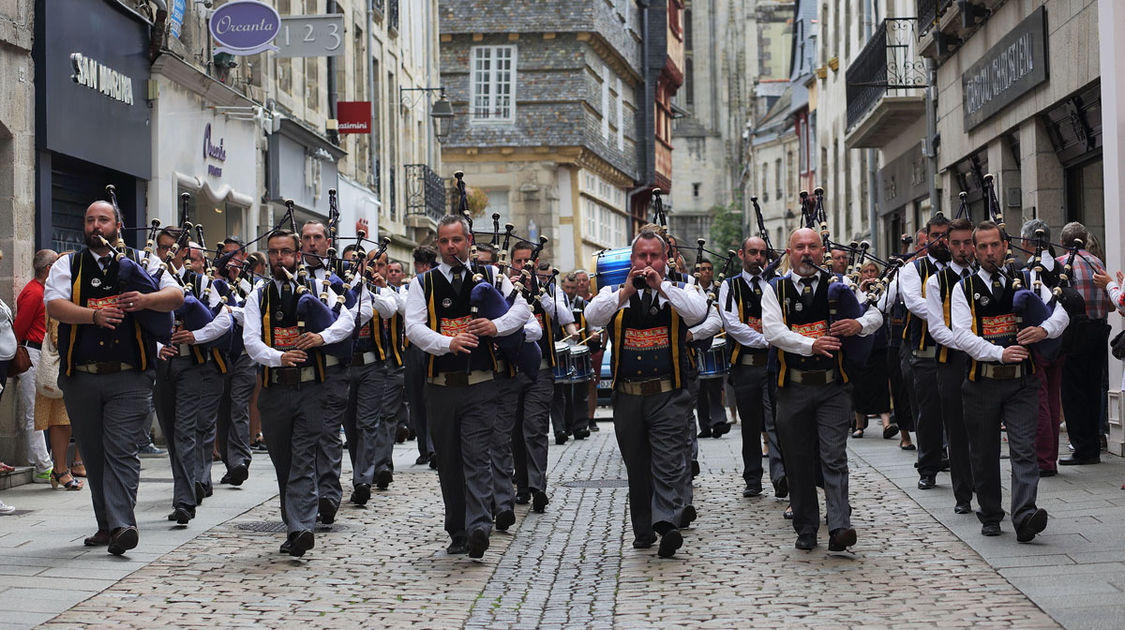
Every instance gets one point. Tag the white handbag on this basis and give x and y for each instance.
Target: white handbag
(47, 369)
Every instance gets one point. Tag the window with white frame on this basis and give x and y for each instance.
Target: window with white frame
(493, 83)
(620, 117)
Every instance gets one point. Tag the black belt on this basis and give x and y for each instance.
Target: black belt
(33, 344)
(292, 375)
(103, 367)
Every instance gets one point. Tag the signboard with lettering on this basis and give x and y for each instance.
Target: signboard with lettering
(311, 36)
(176, 10)
(244, 27)
(212, 151)
(1007, 71)
(353, 116)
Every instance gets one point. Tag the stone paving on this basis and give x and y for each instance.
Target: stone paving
(384, 566)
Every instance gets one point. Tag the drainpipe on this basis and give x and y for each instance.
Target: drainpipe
(371, 145)
(872, 157)
(646, 106)
(333, 134)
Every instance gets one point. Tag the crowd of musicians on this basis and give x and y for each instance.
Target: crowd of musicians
(488, 350)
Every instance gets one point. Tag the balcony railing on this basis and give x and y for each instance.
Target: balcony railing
(425, 192)
(889, 62)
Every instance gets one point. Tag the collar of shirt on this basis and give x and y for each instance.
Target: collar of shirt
(798, 278)
(181, 271)
(658, 300)
(987, 277)
(749, 277)
(279, 283)
(957, 268)
(447, 271)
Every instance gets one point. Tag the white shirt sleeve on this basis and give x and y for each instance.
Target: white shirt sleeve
(252, 334)
(237, 314)
(215, 328)
(1058, 321)
(689, 301)
(978, 348)
(736, 329)
(555, 304)
(57, 286)
(419, 334)
(911, 289)
(1112, 289)
(532, 330)
(776, 332)
(709, 327)
(384, 302)
(935, 314)
(872, 318)
(511, 321)
(601, 308)
(344, 324)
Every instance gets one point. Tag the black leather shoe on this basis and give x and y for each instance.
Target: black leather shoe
(99, 539)
(781, 488)
(990, 529)
(523, 498)
(422, 459)
(944, 465)
(841, 539)
(751, 491)
(123, 539)
(1080, 461)
(361, 494)
(926, 482)
(644, 541)
(226, 479)
(669, 543)
(199, 493)
(788, 513)
(383, 478)
(560, 438)
(327, 511)
(181, 515)
(694, 468)
(594, 427)
(705, 433)
(539, 501)
(963, 508)
(688, 517)
(1047, 472)
(505, 519)
(401, 433)
(433, 461)
(478, 543)
(805, 542)
(581, 434)
(300, 542)
(457, 547)
(1031, 526)
(286, 546)
(720, 429)
(238, 474)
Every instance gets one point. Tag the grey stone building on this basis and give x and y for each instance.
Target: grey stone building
(546, 102)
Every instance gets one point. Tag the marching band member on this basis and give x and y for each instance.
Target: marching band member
(647, 320)
(106, 373)
(425, 258)
(709, 410)
(233, 423)
(1001, 385)
(460, 389)
(813, 403)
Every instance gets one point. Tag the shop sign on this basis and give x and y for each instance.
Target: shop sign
(1007, 71)
(353, 116)
(213, 152)
(244, 27)
(102, 78)
(176, 10)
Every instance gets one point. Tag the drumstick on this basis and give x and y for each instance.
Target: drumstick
(719, 335)
(586, 339)
(574, 334)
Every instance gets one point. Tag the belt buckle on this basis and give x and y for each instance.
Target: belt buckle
(287, 376)
(357, 358)
(456, 379)
(649, 388)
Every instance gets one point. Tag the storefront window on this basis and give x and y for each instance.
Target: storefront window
(219, 220)
(1085, 200)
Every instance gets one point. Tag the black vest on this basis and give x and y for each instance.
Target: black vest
(917, 331)
(948, 279)
(896, 320)
(749, 301)
(649, 346)
(449, 313)
(281, 327)
(547, 323)
(87, 343)
(994, 320)
(812, 321)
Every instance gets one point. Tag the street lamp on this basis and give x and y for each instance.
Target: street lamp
(441, 111)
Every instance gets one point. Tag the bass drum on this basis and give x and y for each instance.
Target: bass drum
(611, 266)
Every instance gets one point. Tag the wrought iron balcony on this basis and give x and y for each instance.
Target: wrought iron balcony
(425, 192)
(883, 82)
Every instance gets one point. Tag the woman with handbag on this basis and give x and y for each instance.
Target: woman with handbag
(50, 412)
(7, 351)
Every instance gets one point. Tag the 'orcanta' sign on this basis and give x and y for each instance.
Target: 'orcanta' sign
(245, 27)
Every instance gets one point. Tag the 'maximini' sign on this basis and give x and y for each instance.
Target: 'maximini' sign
(245, 27)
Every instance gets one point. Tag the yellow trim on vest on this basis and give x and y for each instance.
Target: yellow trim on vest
(973, 311)
(267, 330)
(617, 323)
(428, 289)
(675, 341)
(736, 350)
(76, 297)
(782, 368)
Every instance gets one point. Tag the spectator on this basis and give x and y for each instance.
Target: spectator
(7, 351)
(29, 327)
(1088, 354)
(50, 416)
(872, 393)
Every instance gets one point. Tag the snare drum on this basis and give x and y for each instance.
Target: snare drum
(715, 361)
(563, 368)
(611, 267)
(582, 370)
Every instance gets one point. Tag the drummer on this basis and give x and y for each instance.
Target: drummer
(709, 410)
(568, 405)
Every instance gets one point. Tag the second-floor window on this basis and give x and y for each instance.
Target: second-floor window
(493, 83)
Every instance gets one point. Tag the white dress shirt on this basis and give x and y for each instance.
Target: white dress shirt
(431, 341)
(778, 334)
(711, 325)
(735, 327)
(935, 309)
(689, 302)
(910, 286)
(58, 284)
(532, 331)
(982, 349)
(563, 315)
(271, 357)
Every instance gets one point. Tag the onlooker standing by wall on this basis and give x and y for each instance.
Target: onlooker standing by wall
(30, 326)
(50, 412)
(7, 351)
(1081, 377)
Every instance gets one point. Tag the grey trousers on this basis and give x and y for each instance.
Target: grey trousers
(687, 490)
(390, 397)
(500, 454)
(293, 420)
(530, 437)
(950, 377)
(414, 389)
(361, 419)
(570, 407)
(650, 433)
(177, 396)
(909, 421)
(233, 426)
(987, 402)
(330, 450)
(812, 420)
(211, 384)
(461, 422)
(755, 412)
(930, 431)
(709, 409)
(107, 414)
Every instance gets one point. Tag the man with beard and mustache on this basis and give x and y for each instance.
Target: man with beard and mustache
(814, 408)
(951, 363)
(741, 301)
(923, 352)
(1002, 385)
(295, 396)
(107, 371)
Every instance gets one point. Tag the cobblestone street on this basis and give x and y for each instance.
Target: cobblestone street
(385, 566)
